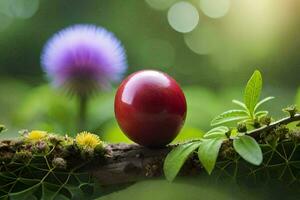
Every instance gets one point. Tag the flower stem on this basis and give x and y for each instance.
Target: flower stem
(82, 112)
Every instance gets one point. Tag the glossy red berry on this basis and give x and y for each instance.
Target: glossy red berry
(150, 108)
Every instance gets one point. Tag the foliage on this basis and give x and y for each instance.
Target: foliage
(177, 157)
(248, 149)
(248, 112)
(208, 152)
(224, 144)
(47, 167)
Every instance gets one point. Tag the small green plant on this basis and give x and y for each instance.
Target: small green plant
(249, 108)
(208, 147)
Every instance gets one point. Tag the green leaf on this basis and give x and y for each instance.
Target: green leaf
(24, 194)
(217, 132)
(261, 113)
(252, 91)
(176, 158)
(48, 194)
(208, 153)
(248, 149)
(228, 116)
(237, 102)
(262, 102)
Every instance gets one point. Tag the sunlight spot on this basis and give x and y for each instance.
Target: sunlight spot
(183, 17)
(19, 8)
(202, 40)
(215, 8)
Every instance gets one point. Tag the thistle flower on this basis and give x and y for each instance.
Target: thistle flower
(36, 135)
(83, 58)
(87, 140)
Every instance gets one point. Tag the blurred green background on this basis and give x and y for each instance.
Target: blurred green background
(211, 47)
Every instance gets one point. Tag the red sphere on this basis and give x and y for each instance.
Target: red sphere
(150, 108)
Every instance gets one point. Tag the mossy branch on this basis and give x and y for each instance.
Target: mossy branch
(126, 163)
(284, 121)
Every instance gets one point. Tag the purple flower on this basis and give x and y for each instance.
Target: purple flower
(84, 58)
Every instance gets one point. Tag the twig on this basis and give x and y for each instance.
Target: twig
(256, 132)
(130, 162)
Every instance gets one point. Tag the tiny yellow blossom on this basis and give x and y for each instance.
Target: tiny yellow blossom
(36, 135)
(87, 140)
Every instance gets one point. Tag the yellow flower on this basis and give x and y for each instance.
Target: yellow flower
(87, 140)
(36, 135)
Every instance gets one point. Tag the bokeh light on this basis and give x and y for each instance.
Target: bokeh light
(215, 8)
(160, 4)
(202, 40)
(183, 17)
(19, 8)
(157, 53)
